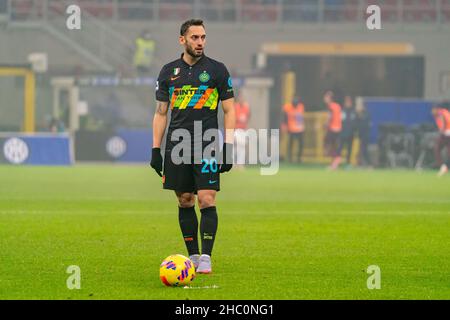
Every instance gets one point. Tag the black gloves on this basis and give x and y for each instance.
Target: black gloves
(227, 158)
(157, 161)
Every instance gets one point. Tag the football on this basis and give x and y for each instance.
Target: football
(177, 270)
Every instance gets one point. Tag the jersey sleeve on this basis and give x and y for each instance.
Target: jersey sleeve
(162, 86)
(224, 85)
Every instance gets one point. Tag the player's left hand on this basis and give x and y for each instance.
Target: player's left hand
(227, 158)
(157, 161)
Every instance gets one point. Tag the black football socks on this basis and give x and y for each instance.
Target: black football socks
(189, 227)
(208, 228)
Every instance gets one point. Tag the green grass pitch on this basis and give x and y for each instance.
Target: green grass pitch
(301, 234)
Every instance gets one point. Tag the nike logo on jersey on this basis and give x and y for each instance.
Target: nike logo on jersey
(212, 182)
(174, 78)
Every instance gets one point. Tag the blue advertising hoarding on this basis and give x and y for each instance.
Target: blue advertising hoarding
(35, 149)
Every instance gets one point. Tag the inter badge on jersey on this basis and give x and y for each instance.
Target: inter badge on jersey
(176, 71)
(204, 76)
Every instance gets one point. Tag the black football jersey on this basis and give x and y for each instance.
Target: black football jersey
(193, 92)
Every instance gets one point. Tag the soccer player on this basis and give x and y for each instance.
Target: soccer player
(442, 118)
(334, 128)
(242, 112)
(191, 88)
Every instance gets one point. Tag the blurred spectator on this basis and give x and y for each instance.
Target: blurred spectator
(294, 124)
(144, 52)
(362, 128)
(253, 10)
(442, 119)
(334, 128)
(348, 128)
(329, 81)
(242, 110)
(56, 125)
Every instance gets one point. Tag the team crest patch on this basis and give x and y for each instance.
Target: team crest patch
(176, 71)
(204, 76)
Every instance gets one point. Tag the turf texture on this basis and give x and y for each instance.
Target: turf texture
(304, 233)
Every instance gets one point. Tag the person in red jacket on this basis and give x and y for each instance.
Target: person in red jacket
(442, 119)
(294, 124)
(334, 128)
(242, 112)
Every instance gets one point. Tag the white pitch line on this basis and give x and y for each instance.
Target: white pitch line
(205, 287)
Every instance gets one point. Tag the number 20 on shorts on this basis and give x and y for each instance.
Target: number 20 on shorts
(209, 165)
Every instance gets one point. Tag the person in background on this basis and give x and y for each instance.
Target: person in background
(362, 128)
(294, 124)
(442, 119)
(56, 125)
(144, 52)
(334, 128)
(348, 129)
(242, 112)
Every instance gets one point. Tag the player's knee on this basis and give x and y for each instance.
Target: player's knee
(206, 200)
(186, 200)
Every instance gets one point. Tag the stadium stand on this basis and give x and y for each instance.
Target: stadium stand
(306, 11)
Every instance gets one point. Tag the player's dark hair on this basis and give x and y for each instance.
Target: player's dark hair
(192, 22)
(330, 94)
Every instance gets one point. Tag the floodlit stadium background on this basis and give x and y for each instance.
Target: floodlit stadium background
(274, 50)
(75, 98)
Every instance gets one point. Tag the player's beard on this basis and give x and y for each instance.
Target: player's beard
(192, 52)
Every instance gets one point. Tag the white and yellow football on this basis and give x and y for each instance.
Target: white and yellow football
(177, 270)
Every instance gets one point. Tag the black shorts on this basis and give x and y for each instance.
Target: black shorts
(191, 177)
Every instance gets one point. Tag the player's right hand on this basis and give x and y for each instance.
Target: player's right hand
(227, 158)
(157, 161)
